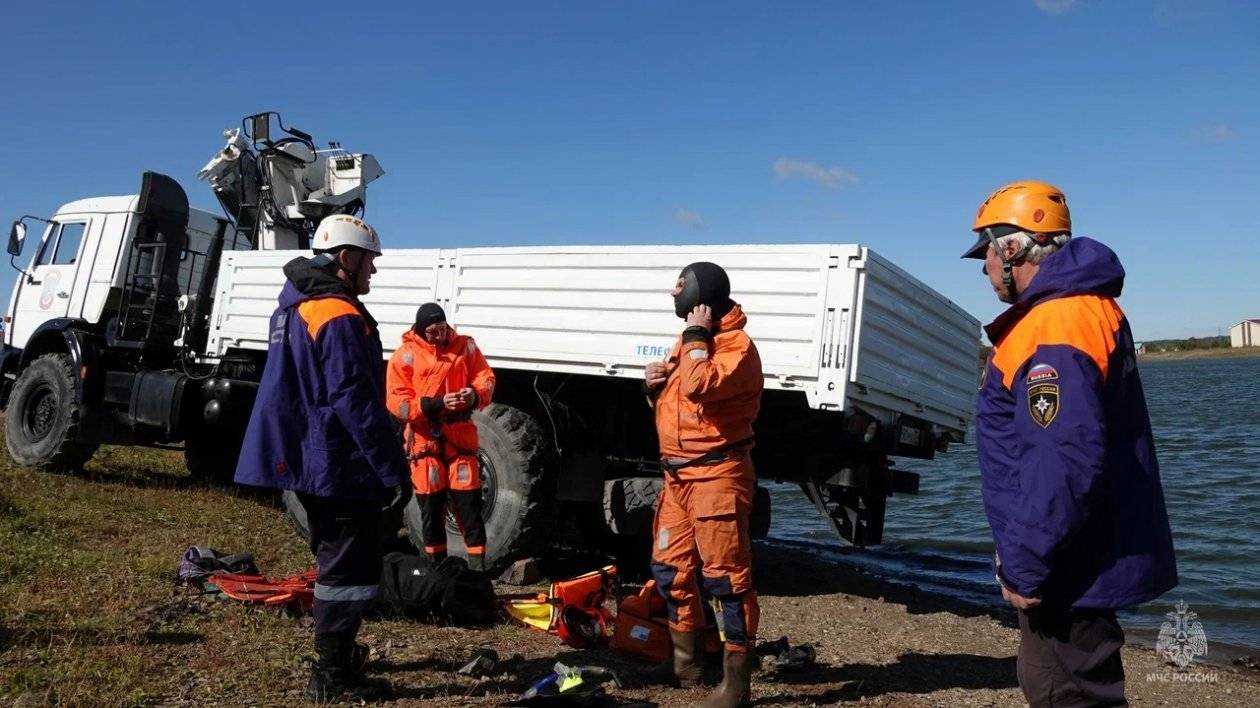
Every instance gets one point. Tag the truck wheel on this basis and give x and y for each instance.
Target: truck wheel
(517, 486)
(211, 455)
(630, 505)
(295, 513)
(43, 417)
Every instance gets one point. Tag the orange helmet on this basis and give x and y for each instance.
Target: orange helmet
(1036, 207)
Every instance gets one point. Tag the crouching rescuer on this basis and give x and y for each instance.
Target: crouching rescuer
(436, 379)
(706, 396)
(321, 429)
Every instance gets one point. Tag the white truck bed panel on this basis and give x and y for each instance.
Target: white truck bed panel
(836, 322)
(912, 340)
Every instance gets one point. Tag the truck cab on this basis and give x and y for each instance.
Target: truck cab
(74, 269)
(104, 320)
(105, 335)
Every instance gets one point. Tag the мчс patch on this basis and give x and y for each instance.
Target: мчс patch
(1043, 403)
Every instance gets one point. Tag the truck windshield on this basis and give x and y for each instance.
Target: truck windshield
(48, 246)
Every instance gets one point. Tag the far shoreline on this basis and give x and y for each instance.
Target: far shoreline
(1217, 353)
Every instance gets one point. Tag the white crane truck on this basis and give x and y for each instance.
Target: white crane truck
(140, 321)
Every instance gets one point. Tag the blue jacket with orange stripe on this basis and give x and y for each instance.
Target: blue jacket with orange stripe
(1068, 470)
(319, 424)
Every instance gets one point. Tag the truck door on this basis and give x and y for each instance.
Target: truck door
(44, 294)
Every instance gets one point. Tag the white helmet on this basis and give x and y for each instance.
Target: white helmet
(344, 230)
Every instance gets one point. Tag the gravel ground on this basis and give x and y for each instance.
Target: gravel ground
(877, 643)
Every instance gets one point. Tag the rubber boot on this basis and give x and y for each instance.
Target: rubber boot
(682, 669)
(333, 679)
(735, 690)
(477, 562)
(436, 557)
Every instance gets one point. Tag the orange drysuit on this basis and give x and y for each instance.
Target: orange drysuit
(441, 444)
(704, 419)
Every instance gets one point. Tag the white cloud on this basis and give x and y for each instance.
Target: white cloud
(1055, 7)
(834, 176)
(690, 219)
(1216, 133)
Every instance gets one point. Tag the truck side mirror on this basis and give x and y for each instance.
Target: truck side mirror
(17, 237)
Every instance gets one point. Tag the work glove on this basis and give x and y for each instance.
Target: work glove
(400, 497)
(432, 408)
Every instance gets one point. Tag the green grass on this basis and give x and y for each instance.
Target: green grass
(90, 613)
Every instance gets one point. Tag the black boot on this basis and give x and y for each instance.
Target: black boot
(477, 562)
(735, 691)
(436, 557)
(357, 655)
(333, 679)
(682, 667)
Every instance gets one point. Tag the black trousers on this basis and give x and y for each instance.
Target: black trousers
(466, 506)
(1070, 657)
(346, 541)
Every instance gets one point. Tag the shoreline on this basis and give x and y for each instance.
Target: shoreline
(900, 588)
(1218, 353)
(937, 623)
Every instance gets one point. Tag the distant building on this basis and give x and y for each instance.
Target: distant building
(1245, 334)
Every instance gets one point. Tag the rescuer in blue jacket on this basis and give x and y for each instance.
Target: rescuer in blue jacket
(320, 428)
(1068, 471)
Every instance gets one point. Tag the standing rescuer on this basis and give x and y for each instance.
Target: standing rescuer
(1068, 471)
(320, 427)
(706, 396)
(436, 379)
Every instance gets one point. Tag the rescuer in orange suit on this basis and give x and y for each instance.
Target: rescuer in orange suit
(436, 379)
(706, 396)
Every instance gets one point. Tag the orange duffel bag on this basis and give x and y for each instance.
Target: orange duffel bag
(642, 626)
(587, 590)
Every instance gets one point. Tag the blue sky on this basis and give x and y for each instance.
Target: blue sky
(522, 123)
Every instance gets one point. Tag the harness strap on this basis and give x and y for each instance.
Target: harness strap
(710, 458)
(440, 439)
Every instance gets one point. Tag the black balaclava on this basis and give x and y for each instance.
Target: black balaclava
(428, 314)
(704, 283)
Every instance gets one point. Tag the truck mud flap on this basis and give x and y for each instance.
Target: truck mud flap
(854, 514)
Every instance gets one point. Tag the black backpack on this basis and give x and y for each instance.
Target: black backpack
(448, 593)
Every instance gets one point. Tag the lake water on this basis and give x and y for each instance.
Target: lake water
(1206, 418)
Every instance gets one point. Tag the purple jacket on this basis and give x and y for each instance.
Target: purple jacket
(319, 424)
(1068, 470)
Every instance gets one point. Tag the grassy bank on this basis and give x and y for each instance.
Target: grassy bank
(91, 616)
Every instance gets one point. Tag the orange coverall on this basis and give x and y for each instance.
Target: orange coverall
(704, 415)
(441, 444)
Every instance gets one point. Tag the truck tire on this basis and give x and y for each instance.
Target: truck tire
(295, 513)
(211, 454)
(517, 484)
(43, 417)
(630, 505)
